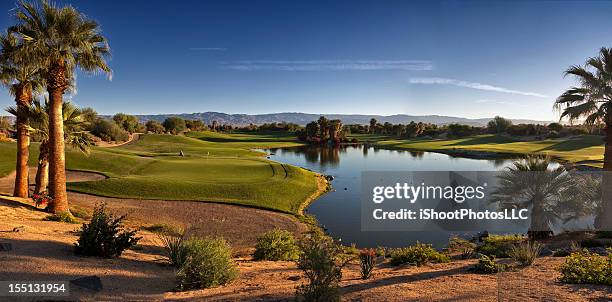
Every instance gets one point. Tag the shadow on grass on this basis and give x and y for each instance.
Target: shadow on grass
(575, 144)
(483, 140)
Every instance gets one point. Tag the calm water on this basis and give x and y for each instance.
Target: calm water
(346, 164)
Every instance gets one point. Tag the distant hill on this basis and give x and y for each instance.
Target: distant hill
(304, 118)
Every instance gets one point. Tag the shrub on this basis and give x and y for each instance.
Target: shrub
(498, 245)
(487, 265)
(174, 246)
(526, 252)
(561, 253)
(461, 246)
(586, 267)
(155, 127)
(62, 217)
(367, 260)
(418, 255)
(276, 245)
(320, 260)
(105, 235)
(208, 263)
(108, 131)
(174, 124)
(79, 212)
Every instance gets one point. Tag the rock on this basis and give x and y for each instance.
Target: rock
(92, 283)
(5, 247)
(19, 229)
(294, 278)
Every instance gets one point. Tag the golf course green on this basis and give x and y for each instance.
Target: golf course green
(580, 149)
(215, 167)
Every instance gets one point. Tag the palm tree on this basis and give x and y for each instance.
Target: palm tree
(74, 123)
(552, 193)
(66, 39)
(592, 100)
(20, 73)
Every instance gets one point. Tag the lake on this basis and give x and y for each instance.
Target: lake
(339, 211)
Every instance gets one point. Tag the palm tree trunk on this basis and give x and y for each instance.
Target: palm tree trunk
(23, 98)
(42, 173)
(539, 228)
(603, 221)
(57, 157)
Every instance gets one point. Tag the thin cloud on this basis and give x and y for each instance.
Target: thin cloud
(328, 65)
(484, 101)
(209, 48)
(473, 85)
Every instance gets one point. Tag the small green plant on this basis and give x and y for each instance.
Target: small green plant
(276, 245)
(586, 267)
(418, 254)
(208, 263)
(79, 212)
(321, 261)
(105, 235)
(458, 245)
(174, 246)
(498, 245)
(367, 261)
(487, 265)
(62, 217)
(526, 252)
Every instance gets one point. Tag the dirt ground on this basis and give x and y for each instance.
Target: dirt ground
(43, 250)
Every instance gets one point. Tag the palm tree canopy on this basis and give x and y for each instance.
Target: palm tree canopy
(74, 123)
(592, 98)
(62, 35)
(535, 182)
(19, 66)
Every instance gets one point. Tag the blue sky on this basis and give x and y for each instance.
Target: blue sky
(461, 58)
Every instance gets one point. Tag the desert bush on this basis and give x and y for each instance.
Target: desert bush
(367, 261)
(487, 265)
(62, 217)
(526, 252)
(276, 245)
(208, 263)
(498, 245)
(418, 255)
(586, 267)
(321, 261)
(173, 242)
(104, 236)
(79, 212)
(460, 246)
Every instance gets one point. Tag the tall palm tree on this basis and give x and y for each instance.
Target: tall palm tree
(551, 193)
(592, 100)
(73, 129)
(20, 73)
(66, 39)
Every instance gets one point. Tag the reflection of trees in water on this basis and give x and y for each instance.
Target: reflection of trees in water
(417, 154)
(365, 150)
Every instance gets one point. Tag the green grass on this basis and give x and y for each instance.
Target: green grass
(585, 149)
(216, 168)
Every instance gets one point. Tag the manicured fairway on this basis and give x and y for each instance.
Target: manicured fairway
(210, 170)
(586, 149)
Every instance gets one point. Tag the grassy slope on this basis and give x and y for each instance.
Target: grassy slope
(584, 148)
(216, 167)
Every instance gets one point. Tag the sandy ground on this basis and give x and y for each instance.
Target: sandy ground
(43, 250)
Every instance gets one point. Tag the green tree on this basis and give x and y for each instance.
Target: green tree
(373, 123)
(591, 99)
(20, 72)
(155, 127)
(499, 124)
(174, 124)
(128, 122)
(64, 39)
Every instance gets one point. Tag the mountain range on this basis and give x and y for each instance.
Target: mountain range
(304, 118)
